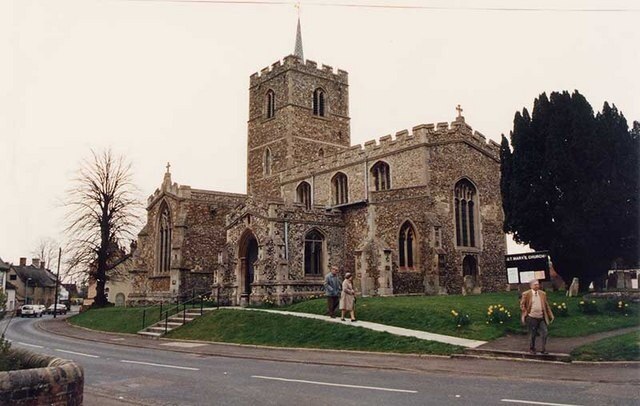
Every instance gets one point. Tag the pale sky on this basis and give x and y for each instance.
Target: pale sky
(166, 81)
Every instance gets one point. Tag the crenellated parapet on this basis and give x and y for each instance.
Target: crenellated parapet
(421, 135)
(293, 62)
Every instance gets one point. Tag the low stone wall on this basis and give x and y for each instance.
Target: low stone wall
(48, 381)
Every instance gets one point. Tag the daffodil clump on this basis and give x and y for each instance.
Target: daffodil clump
(618, 306)
(498, 314)
(588, 306)
(460, 319)
(560, 309)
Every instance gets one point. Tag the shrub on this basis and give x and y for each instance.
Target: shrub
(497, 314)
(617, 307)
(560, 309)
(588, 306)
(460, 319)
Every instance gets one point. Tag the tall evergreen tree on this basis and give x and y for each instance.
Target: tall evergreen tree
(571, 185)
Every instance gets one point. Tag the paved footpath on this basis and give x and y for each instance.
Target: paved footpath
(398, 331)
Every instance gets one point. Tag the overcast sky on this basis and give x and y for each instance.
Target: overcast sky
(166, 81)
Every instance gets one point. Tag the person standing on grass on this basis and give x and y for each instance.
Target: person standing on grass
(536, 314)
(332, 289)
(348, 297)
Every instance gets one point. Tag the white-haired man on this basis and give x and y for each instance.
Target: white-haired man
(536, 314)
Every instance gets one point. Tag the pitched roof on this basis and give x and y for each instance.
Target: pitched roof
(4, 266)
(40, 277)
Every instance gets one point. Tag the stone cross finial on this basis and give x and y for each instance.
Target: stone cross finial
(168, 167)
(459, 110)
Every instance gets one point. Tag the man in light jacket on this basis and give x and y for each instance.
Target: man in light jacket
(536, 314)
(332, 289)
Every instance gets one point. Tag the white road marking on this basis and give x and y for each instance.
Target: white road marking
(334, 384)
(159, 365)
(29, 345)
(531, 402)
(79, 353)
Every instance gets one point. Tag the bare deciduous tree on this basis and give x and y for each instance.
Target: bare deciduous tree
(102, 214)
(47, 251)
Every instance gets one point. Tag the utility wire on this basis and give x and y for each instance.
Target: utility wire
(401, 6)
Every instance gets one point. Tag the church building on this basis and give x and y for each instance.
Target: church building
(415, 213)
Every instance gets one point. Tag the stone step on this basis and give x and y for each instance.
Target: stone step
(179, 319)
(158, 329)
(493, 353)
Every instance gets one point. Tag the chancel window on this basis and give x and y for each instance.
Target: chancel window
(465, 198)
(381, 176)
(340, 188)
(270, 101)
(313, 253)
(407, 245)
(303, 194)
(319, 102)
(267, 162)
(164, 241)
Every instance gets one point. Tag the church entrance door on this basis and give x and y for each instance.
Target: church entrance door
(470, 268)
(248, 256)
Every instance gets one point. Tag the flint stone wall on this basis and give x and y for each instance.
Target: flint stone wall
(48, 381)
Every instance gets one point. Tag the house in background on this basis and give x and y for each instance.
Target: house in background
(4, 270)
(33, 283)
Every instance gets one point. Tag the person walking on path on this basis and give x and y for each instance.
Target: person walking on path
(332, 289)
(536, 314)
(348, 297)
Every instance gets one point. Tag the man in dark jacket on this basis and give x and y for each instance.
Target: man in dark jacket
(332, 289)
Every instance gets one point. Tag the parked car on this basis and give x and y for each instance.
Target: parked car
(30, 311)
(60, 309)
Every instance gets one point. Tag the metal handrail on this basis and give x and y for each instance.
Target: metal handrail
(166, 309)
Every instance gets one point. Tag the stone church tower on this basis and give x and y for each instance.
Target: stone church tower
(292, 120)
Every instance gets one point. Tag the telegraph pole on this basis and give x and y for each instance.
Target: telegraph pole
(55, 299)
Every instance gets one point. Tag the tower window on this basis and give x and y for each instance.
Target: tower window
(271, 104)
(407, 245)
(267, 162)
(319, 102)
(465, 197)
(313, 253)
(303, 194)
(340, 188)
(381, 176)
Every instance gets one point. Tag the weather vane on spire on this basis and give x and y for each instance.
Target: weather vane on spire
(298, 49)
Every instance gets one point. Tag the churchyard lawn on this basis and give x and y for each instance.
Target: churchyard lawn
(623, 347)
(427, 313)
(433, 314)
(243, 327)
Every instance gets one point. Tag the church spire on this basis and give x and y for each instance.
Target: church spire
(298, 50)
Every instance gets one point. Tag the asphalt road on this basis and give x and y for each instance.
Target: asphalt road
(157, 377)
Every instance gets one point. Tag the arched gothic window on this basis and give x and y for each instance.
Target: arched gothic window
(270, 104)
(303, 194)
(465, 198)
(340, 188)
(164, 240)
(313, 253)
(318, 102)
(407, 245)
(381, 176)
(267, 161)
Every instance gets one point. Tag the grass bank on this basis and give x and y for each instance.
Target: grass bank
(244, 327)
(625, 347)
(433, 314)
(116, 319)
